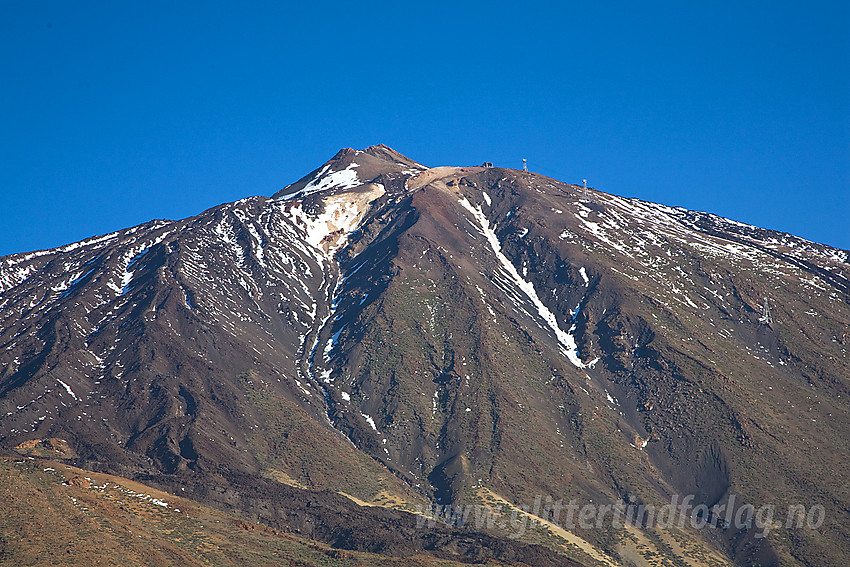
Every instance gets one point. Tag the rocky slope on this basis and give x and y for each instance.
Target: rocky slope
(408, 335)
(57, 515)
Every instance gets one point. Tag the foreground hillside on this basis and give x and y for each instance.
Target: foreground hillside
(56, 514)
(401, 336)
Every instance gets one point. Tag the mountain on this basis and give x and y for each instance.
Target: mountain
(384, 333)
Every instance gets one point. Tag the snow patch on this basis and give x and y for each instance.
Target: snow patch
(342, 214)
(68, 389)
(370, 421)
(342, 179)
(329, 347)
(567, 340)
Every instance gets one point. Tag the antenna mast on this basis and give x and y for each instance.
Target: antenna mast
(586, 198)
(525, 165)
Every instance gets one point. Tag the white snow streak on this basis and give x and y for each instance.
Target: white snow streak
(370, 421)
(69, 390)
(568, 343)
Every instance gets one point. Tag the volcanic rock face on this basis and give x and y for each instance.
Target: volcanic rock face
(379, 327)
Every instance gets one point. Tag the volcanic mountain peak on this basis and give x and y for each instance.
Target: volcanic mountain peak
(350, 168)
(437, 334)
(386, 153)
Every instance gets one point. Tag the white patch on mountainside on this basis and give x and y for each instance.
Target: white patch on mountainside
(17, 268)
(633, 224)
(342, 179)
(129, 261)
(68, 389)
(566, 339)
(342, 214)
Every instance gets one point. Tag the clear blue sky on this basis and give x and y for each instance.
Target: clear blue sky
(114, 113)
